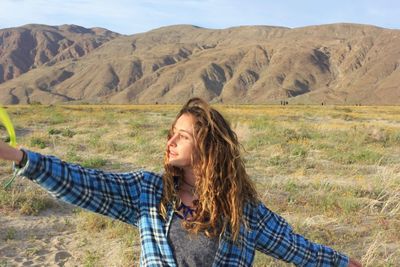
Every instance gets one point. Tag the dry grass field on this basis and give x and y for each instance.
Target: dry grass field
(332, 171)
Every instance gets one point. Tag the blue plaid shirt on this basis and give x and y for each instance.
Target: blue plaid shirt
(134, 198)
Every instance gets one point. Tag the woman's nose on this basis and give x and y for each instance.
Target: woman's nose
(171, 141)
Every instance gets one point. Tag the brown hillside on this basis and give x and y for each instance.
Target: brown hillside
(338, 63)
(30, 46)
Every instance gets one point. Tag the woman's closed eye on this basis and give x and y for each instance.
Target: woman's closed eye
(182, 136)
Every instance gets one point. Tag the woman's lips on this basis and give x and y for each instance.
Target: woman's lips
(172, 154)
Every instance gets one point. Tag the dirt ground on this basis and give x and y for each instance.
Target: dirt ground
(51, 239)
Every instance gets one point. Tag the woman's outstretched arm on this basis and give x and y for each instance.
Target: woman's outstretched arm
(354, 263)
(9, 153)
(112, 194)
(276, 238)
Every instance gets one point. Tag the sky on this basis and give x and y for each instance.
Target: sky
(135, 16)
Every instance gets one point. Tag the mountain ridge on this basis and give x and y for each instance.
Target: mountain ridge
(334, 64)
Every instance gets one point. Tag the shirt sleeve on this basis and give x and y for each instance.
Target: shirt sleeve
(112, 194)
(276, 238)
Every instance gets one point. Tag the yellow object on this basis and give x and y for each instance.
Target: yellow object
(9, 126)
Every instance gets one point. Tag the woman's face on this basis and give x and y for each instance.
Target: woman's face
(180, 146)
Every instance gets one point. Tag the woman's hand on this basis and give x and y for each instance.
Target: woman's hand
(354, 263)
(9, 153)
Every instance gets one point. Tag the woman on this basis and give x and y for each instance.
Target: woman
(204, 209)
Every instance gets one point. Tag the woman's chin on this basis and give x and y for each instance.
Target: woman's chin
(173, 162)
(177, 164)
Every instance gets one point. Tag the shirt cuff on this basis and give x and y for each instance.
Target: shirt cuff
(342, 260)
(30, 166)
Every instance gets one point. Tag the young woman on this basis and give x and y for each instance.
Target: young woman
(203, 211)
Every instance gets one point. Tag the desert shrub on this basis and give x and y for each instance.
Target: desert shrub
(91, 259)
(72, 156)
(278, 160)
(95, 162)
(53, 131)
(298, 151)
(27, 201)
(38, 142)
(56, 117)
(63, 132)
(356, 155)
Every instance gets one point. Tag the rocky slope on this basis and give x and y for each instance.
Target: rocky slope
(334, 64)
(31, 46)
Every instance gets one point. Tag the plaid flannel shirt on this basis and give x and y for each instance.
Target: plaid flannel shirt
(134, 198)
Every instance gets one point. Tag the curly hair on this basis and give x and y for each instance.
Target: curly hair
(222, 184)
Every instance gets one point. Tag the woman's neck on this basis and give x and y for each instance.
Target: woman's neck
(187, 188)
(189, 177)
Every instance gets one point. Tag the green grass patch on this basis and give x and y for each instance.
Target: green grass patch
(94, 162)
(91, 259)
(38, 142)
(355, 155)
(63, 132)
(26, 201)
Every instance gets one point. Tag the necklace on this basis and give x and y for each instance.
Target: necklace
(188, 183)
(185, 212)
(191, 191)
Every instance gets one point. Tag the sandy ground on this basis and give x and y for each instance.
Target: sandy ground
(51, 239)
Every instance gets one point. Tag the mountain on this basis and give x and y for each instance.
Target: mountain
(334, 64)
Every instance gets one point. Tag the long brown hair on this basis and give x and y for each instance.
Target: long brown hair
(222, 184)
